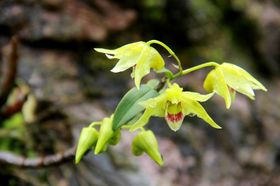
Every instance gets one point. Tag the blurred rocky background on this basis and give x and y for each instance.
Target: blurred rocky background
(52, 84)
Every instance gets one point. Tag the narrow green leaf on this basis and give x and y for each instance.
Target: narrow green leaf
(129, 107)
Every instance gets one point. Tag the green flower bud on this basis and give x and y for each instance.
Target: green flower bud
(145, 141)
(115, 138)
(105, 134)
(88, 138)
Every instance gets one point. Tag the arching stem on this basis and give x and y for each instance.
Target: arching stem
(189, 70)
(169, 51)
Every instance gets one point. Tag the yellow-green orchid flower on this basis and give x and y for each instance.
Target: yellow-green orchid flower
(139, 55)
(227, 78)
(174, 105)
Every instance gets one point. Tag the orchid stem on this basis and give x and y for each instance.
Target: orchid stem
(169, 51)
(95, 123)
(189, 70)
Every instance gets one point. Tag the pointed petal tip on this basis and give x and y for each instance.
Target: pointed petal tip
(218, 127)
(101, 50)
(96, 151)
(251, 97)
(116, 70)
(77, 160)
(160, 162)
(228, 106)
(174, 130)
(228, 102)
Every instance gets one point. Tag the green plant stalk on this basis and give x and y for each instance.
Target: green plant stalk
(169, 51)
(95, 123)
(189, 70)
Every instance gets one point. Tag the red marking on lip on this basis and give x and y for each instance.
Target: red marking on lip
(175, 117)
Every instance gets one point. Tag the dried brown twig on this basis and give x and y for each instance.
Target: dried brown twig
(9, 158)
(9, 75)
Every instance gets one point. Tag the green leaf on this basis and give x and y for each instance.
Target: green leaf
(129, 107)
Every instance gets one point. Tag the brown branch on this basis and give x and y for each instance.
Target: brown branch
(10, 74)
(11, 109)
(9, 158)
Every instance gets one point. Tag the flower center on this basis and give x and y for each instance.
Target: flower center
(175, 117)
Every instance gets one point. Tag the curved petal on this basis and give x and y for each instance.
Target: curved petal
(157, 102)
(131, 49)
(105, 51)
(142, 67)
(231, 68)
(193, 107)
(156, 61)
(124, 64)
(197, 96)
(148, 59)
(215, 82)
(234, 77)
(144, 119)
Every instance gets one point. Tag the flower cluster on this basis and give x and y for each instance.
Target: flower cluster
(166, 99)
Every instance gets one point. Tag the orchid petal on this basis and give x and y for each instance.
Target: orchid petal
(215, 82)
(193, 107)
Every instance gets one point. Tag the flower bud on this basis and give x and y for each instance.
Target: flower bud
(145, 141)
(105, 134)
(114, 140)
(88, 138)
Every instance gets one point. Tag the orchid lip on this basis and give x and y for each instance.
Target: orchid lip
(174, 118)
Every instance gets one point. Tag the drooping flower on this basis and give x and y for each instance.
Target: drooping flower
(174, 105)
(145, 141)
(227, 78)
(139, 55)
